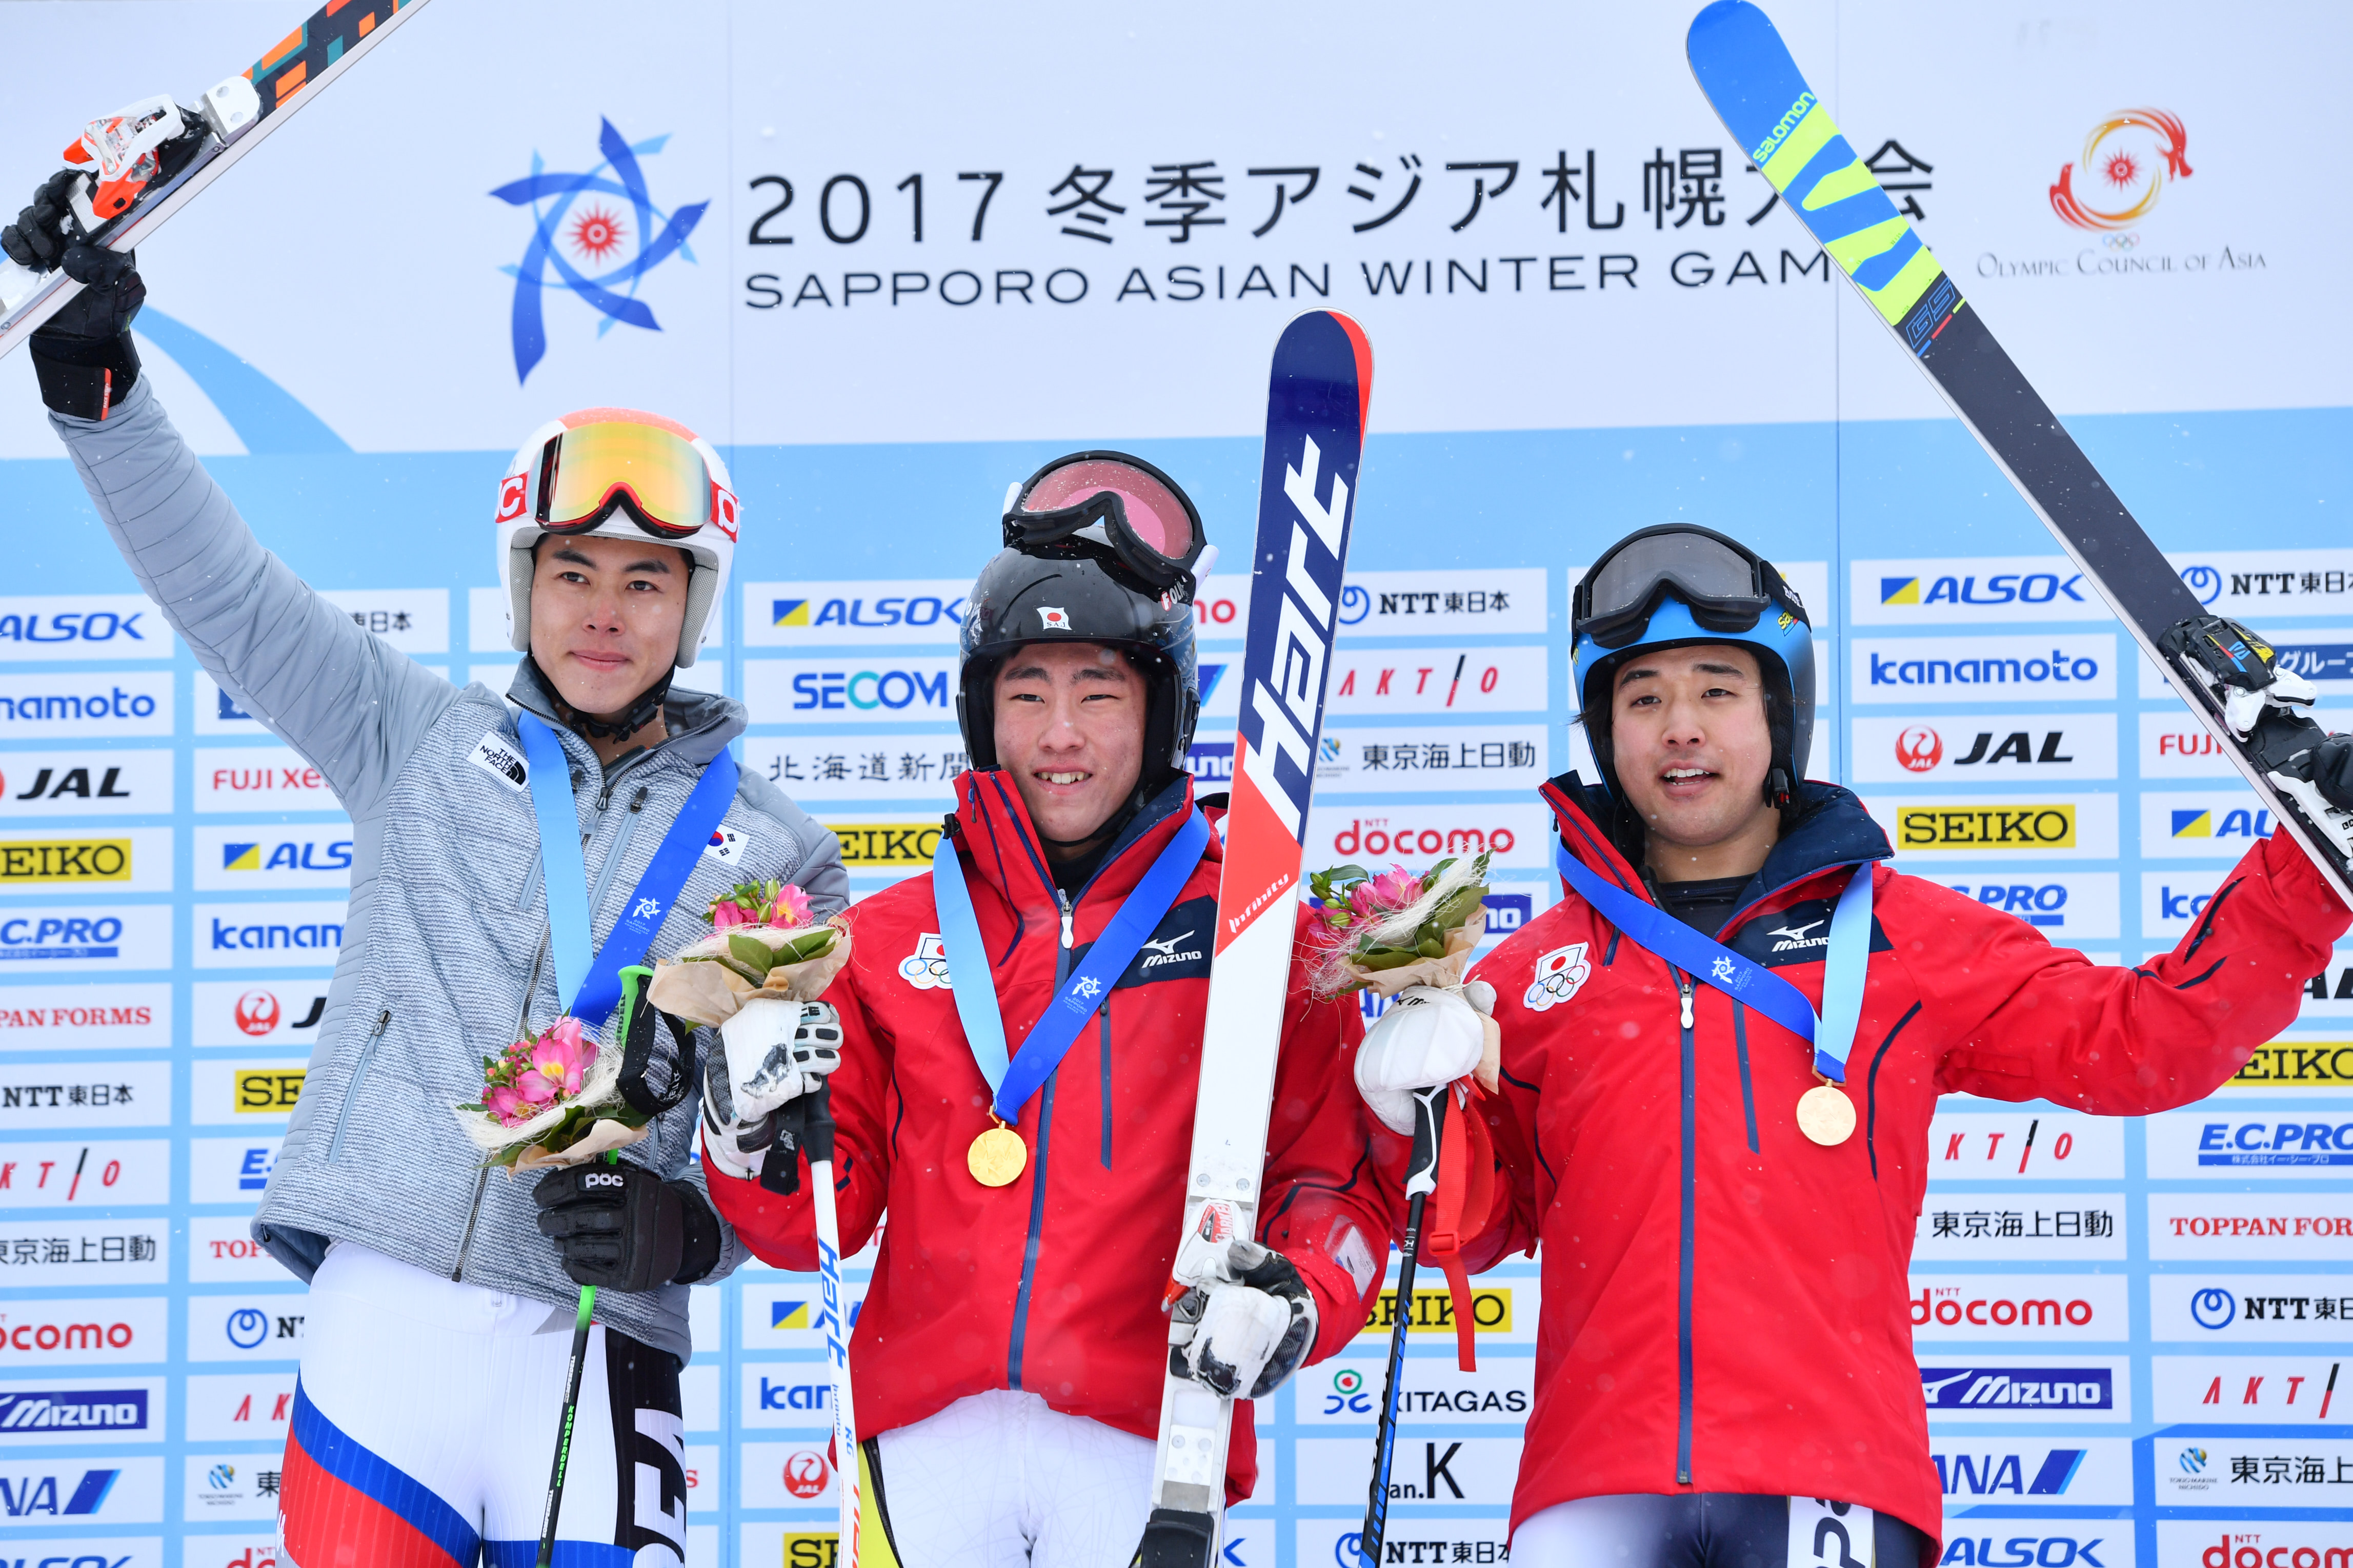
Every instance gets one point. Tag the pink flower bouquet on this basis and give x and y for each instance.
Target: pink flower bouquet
(550, 1100)
(1384, 932)
(763, 943)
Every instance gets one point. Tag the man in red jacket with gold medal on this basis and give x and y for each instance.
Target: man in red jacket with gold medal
(1011, 1353)
(1721, 1052)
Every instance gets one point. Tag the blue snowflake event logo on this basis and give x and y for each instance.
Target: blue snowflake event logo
(571, 222)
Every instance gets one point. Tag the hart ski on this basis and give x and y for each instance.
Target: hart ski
(2222, 670)
(143, 162)
(1320, 388)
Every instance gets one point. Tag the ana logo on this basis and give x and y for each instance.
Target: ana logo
(1919, 748)
(2127, 159)
(1052, 619)
(927, 968)
(2214, 1309)
(1559, 975)
(805, 1473)
(615, 241)
(2236, 824)
(37, 1495)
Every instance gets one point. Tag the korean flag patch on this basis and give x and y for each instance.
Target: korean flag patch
(726, 846)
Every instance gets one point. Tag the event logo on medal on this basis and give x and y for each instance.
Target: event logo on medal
(599, 233)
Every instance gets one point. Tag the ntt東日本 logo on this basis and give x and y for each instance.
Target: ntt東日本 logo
(2128, 158)
(600, 233)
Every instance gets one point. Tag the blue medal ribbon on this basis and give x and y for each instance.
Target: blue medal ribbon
(590, 986)
(1743, 979)
(1012, 1081)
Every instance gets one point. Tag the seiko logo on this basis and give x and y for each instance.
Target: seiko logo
(1165, 951)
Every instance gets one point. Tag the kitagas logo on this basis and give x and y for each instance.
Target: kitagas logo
(2128, 158)
(615, 241)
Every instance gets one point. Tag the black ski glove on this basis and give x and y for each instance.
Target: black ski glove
(621, 1227)
(83, 354)
(2332, 771)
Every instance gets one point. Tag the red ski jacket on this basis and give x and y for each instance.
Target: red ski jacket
(1724, 1301)
(1054, 1284)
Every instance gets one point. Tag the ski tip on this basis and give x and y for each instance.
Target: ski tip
(1360, 352)
(1721, 25)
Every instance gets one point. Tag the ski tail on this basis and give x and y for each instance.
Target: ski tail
(1757, 89)
(1318, 395)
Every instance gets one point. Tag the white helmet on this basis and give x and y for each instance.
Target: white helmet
(617, 473)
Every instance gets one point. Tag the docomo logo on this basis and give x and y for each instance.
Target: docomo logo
(1375, 838)
(805, 1473)
(1221, 611)
(32, 1338)
(1919, 748)
(2247, 1555)
(1948, 1307)
(2314, 1225)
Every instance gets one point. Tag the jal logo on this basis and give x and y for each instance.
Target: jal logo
(288, 854)
(1997, 1474)
(2019, 746)
(257, 1013)
(2127, 159)
(1919, 748)
(70, 783)
(2238, 822)
(2001, 588)
(805, 1473)
(593, 235)
(38, 1495)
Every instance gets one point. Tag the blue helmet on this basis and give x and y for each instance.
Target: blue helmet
(1676, 586)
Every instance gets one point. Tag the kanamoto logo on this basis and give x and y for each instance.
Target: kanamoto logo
(2126, 160)
(872, 846)
(66, 860)
(2020, 827)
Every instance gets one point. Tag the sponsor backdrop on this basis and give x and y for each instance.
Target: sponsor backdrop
(825, 240)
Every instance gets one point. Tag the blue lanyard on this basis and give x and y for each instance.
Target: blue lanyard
(590, 987)
(1743, 979)
(1012, 1083)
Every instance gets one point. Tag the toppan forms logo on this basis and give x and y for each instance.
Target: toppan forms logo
(569, 221)
(2128, 157)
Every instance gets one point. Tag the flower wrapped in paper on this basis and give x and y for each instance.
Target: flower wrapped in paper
(1397, 929)
(749, 979)
(551, 1100)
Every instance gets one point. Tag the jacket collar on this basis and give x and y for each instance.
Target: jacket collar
(1001, 846)
(700, 723)
(1833, 831)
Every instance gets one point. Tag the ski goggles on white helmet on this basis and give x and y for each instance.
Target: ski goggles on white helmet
(1726, 586)
(1119, 504)
(652, 474)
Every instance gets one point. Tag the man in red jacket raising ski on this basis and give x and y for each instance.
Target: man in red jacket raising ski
(1027, 1126)
(1725, 1191)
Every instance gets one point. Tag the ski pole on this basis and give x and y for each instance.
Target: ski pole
(807, 1123)
(1421, 1180)
(570, 1410)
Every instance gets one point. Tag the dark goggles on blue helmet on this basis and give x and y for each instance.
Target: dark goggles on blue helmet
(1727, 586)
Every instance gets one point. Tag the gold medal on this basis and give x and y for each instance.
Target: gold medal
(1825, 1115)
(998, 1155)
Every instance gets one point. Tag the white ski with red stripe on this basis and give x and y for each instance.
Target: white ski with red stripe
(1320, 388)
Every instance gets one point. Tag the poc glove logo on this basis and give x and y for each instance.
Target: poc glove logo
(603, 1179)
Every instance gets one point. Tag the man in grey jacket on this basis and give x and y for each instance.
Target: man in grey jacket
(433, 1370)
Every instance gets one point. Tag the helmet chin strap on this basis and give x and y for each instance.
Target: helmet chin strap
(634, 718)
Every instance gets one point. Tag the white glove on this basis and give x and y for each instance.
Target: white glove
(1240, 1338)
(784, 1049)
(1426, 1036)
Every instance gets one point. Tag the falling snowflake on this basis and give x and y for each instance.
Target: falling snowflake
(2120, 170)
(597, 234)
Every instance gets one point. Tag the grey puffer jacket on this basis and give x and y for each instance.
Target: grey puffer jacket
(445, 956)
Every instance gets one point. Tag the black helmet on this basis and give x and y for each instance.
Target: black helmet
(1101, 547)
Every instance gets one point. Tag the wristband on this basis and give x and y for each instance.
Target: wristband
(84, 378)
(704, 1242)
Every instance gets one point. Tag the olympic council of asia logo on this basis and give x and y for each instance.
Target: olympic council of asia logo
(599, 233)
(2128, 157)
